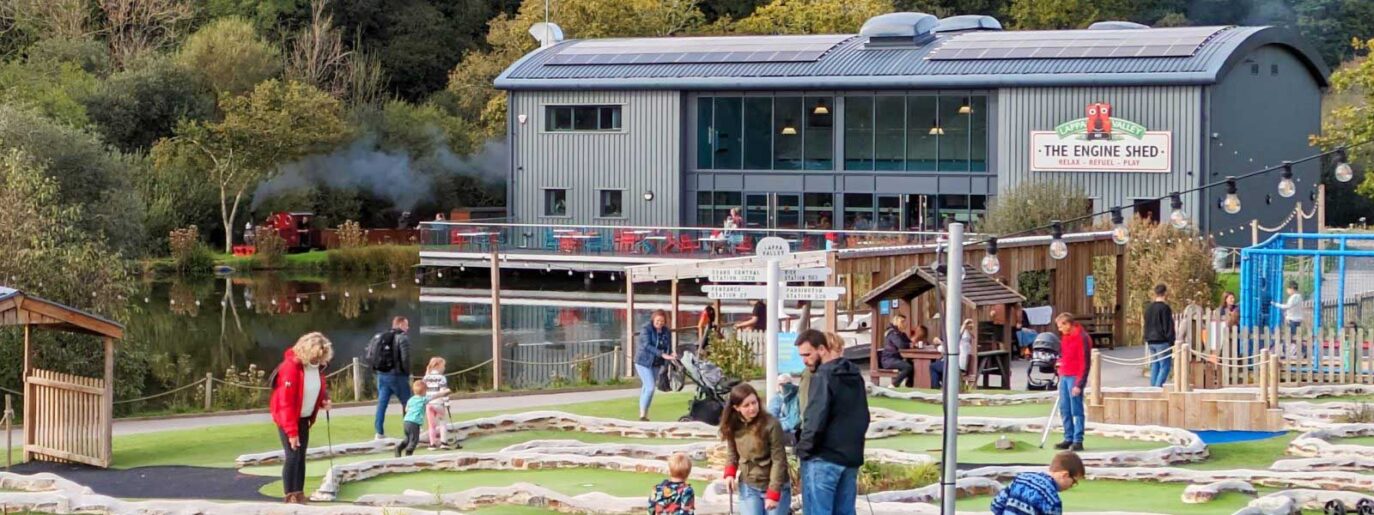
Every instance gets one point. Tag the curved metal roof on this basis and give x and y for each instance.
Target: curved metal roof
(850, 65)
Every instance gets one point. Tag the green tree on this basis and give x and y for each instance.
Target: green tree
(88, 54)
(275, 124)
(1072, 14)
(812, 16)
(1351, 118)
(1331, 24)
(53, 88)
(417, 41)
(508, 40)
(142, 104)
(1035, 204)
(231, 55)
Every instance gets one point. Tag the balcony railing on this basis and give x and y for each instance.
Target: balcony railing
(645, 241)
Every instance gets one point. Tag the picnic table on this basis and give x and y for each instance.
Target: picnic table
(571, 242)
(921, 360)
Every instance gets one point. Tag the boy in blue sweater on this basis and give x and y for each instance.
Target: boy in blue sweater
(1037, 493)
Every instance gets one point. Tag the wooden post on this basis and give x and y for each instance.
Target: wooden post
(672, 322)
(209, 390)
(615, 361)
(106, 405)
(1297, 215)
(357, 379)
(495, 317)
(9, 432)
(1274, 385)
(1254, 232)
(1264, 377)
(1095, 379)
(630, 327)
(29, 426)
(832, 318)
(1119, 317)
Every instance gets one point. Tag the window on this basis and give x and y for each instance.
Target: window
(611, 206)
(787, 142)
(582, 118)
(858, 211)
(758, 133)
(819, 140)
(555, 202)
(729, 133)
(922, 129)
(954, 133)
(919, 133)
(889, 142)
(978, 134)
(819, 210)
(763, 133)
(725, 201)
(858, 133)
(705, 206)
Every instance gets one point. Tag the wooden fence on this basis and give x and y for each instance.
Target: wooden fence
(69, 425)
(1226, 355)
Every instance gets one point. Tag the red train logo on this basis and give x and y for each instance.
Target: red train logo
(1099, 121)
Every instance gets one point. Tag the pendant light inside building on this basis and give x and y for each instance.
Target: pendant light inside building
(965, 108)
(1177, 217)
(788, 129)
(990, 263)
(820, 107)
(1231, 204)
(1344, 172)
(1120, 234)
(936, 129)
(1286, 186)
(1058, 249)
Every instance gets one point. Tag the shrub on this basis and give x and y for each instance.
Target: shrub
(1158, 253)
(377, 259)
(1360, 413)
(735, 358)
(1035, 204)
(351, 235)
(270, 249)
(189, 254)
(883, 477)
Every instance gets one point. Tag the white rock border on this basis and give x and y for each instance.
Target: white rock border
(1287, 502)
(1200, 494)
(1321, 480)
(1317, 444)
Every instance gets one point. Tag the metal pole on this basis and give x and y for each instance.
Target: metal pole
(9, 432)
(495, 317)
(954, 294)
(771, 332)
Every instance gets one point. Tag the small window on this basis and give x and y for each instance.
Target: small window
(1254, 68)
(555, 202)
(611, 206)
(1273, 69)
(582, 118)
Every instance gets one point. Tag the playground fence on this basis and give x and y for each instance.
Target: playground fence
(1225, 356)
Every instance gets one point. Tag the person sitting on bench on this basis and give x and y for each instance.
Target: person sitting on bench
(966, 356)
(894, 343)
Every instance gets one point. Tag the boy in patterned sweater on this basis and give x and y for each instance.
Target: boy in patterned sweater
(1037, 493)
(674, 495)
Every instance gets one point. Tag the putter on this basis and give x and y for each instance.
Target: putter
(1049, 422)
(329, 437)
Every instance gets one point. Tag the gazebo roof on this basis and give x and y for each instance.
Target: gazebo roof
(979, 289)
(18, 309)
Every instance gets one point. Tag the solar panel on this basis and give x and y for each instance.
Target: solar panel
(779, 49)
(1074, 44)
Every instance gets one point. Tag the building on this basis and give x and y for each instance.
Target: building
(912, 121)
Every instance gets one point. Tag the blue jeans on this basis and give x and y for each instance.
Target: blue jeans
(647, 376)
(751, 501)
(1071, 409)
(1159, 369)
(390, 384)
(827, 488)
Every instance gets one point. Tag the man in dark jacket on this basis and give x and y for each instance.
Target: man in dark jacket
(835, 421)
(395, 380)
(891, 358)
(1159, 336)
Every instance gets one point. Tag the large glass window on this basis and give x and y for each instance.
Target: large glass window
(858, 133)
(954, 133)
(555, 202)
(819, 140)
(611, 204)
(889, 212)
(705, 209)
(788, 211)
(729, 138)
(858, 211)
(923, 127)
(819, 210)
(705, 132)
(978, 134)
(582, 118)
(756, 210)
(725, 201)
(758, 133)
(787, 129)
(889, 141)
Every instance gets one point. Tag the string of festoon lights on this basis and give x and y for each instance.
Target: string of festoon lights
(1178, 218)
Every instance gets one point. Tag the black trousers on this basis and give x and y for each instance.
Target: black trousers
(906, 372)
(412, 439)
(293, 469)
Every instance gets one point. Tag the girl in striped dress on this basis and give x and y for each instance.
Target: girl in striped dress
(436, 411)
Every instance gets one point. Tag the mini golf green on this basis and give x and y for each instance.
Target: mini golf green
(1033, 410)
(1133, 496)
(1254, 454)
(1367, 441)
(566, 481)
(980, 448)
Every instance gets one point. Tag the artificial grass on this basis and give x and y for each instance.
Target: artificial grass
(1035, 410)
(1133, 496)
(566, 481)
(1358, 440)
(1254, 454)
(979, 448)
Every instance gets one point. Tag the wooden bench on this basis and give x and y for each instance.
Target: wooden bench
(1101, 327)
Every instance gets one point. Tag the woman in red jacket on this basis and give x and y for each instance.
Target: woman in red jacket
(298, 395)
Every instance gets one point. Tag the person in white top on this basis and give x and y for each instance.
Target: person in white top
(937, 367)
(1292, 308)
(436, 410)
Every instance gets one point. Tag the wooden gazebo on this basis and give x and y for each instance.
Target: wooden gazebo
(67, 418)
(979, 291)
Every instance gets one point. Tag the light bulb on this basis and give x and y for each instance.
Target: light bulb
(569, 272)
(321, 296)
(393, 286)
(1058, 249)
(1178, 217)
(417, 280)
(1231, 204)
(1120, 234)
(462, 268)
(991, 265)
(1286, 186)
(1344, 172)
(346, 294)
(441, 275)
(369, 290)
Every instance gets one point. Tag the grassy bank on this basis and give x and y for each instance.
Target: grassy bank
(374, 258)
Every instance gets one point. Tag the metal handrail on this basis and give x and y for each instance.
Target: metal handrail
(668, 228)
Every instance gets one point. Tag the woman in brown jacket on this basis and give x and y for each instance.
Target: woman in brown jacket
(758, 462)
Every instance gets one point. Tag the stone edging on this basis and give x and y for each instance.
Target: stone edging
(1287, 502)
(1317, 444)
(1322, 480)
(1199, 494)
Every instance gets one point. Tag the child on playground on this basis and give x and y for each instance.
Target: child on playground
(415, 416)
(1037, 493)
(436, 410)
(674, 495)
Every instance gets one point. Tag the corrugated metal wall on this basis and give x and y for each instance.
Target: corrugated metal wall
(1162, 108)
(644, 156)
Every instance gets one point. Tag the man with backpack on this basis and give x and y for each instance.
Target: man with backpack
(389, 356)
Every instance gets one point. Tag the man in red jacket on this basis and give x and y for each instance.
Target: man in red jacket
(1075, 347)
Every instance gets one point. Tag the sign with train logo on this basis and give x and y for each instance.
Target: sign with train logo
(1100, 142)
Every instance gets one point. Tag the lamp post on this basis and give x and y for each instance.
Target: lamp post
(954, 280)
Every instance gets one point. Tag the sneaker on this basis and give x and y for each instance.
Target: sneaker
(379, 437)
(433, 448)
(643, 419)
(398, 451)
(1064, 445)
(1077, 447)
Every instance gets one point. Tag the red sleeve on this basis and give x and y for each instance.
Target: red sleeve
(286, 399)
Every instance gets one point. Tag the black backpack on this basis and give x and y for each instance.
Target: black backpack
(381, 352)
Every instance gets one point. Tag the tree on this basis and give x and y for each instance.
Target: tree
(417, 41)
(54, 89)
(277, 123)
(812, 16)
(1350, 115)
(318, 56)
(471, 81)
(1331, 24)
(142, 104)
(136, 27)
(88, 54)
(1071, 14)
(1035, 204)
(230, 55)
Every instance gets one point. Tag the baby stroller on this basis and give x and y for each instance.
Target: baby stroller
(713, 389)
(1044, 359)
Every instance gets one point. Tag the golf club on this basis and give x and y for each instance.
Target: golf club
(329, 437)
(1049, 422)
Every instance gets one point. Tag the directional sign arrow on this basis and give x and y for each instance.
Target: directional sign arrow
(757, 275)
(812, 292)
(735, 291)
